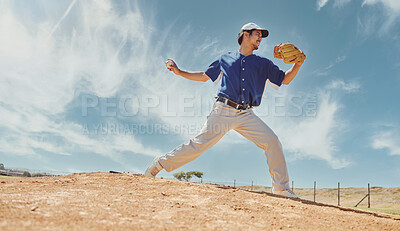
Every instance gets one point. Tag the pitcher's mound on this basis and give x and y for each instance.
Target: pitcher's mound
(107, 201)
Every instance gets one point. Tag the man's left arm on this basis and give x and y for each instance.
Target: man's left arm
(291, 73)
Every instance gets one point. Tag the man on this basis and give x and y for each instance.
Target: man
(243, 78)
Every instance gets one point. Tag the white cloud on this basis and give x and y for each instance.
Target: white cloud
(62, 18)
(349, 86)
(391, 5)
(16, 145)
(47, 63)
(372, 21)
(44, 62)
(308, 125)
(38, 131)
(315, 138)
(321, 3)
(337, 3)
(375, 21)
(43, 71)
(341, 3)
(327, 70)
(388, 140)
(367, 26)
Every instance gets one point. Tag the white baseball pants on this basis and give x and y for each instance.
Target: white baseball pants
(222, 119)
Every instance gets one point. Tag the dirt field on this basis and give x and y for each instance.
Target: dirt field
(104, 201)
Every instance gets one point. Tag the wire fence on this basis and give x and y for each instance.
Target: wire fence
(15, 171)
(348, 197)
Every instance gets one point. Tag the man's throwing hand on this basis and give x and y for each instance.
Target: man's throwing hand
(171, 66)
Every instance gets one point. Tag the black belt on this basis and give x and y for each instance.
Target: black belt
(232, 104)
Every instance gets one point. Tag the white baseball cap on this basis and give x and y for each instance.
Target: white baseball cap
(251, 26)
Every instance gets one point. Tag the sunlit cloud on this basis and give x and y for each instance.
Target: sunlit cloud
(307, 124)
(382, 21)
(391, 5)
(321, 3)
(349, 86)
(315, 137)
(336, 3)
(373, 18)
(62, 18)
(45, 64)
(324, 71)
(341, 3)
(388, 140)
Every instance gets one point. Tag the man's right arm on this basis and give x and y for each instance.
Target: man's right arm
(196, 76)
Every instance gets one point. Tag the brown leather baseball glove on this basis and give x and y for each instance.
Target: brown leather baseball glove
(289, 53)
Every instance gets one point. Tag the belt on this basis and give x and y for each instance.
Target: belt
(232, 104)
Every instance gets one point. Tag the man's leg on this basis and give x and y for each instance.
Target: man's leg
(253, 128)
(216, 126)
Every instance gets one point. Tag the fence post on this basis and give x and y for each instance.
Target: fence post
(338, 193)
(251, 185)
(234, 183)
(369, 197)
(315, 186)
(292, 186)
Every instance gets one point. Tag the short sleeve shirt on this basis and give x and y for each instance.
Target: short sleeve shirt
(244, 78)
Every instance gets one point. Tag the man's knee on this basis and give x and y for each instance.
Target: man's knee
(275, 140)
(271, 141)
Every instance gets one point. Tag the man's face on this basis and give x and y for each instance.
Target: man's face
(255, 38)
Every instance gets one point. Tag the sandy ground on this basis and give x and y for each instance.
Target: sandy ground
(105, 201)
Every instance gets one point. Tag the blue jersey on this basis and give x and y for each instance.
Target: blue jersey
(244, 78)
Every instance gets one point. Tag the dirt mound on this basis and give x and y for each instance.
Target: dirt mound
(104, 201)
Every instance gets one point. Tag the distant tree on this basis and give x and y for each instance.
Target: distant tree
(38, 175)
(26, 174)
(2, 166)
(197, 174)
(188, 175)
(180, 175)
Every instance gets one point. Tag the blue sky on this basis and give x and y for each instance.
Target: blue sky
(83, 87)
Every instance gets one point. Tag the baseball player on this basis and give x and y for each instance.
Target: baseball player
(244, 77)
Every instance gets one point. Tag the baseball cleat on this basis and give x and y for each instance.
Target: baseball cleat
(154, 168)
(285, 193)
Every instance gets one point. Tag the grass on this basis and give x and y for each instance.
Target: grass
(6, 177)
(390, 211)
